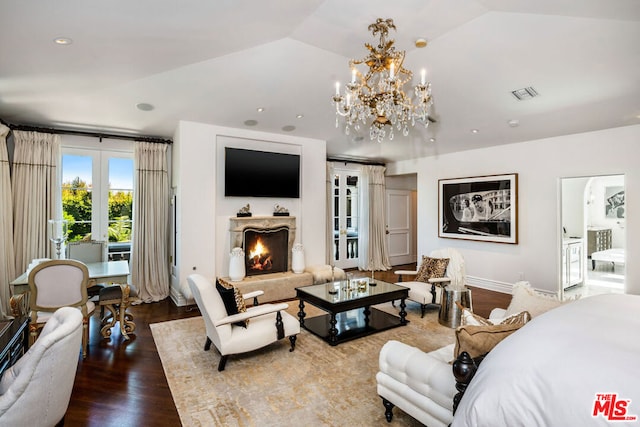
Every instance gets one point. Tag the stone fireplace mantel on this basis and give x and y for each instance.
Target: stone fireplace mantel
(237, 225)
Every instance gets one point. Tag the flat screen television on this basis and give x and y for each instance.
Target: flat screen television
(251, 173)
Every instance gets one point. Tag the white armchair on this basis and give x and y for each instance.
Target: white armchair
(36, 390)
(268, 322)
(426, 293)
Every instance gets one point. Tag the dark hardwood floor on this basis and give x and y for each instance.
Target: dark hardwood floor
(122, 383)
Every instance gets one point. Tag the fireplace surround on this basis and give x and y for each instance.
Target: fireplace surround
(276, 286)
(240, 227)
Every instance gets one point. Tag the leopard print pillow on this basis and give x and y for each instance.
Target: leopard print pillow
(432, 267)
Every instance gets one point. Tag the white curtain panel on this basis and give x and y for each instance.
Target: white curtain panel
(35, 192)
(330, 241)
(150, 254)
(7, 257)
(378, 252)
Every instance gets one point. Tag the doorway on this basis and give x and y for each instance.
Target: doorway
(346, 217)
(593, 219)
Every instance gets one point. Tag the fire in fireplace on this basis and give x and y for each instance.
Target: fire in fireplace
(266, 250)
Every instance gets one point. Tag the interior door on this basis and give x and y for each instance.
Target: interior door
(400, 226)
(587, 205)
(346, 218)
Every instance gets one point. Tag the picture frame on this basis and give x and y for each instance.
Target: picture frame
(482, 208)
(614, 202)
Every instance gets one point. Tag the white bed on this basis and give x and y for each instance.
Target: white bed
(549, 372)
(615, 256)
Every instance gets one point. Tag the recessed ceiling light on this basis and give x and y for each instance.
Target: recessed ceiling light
(514, 123)
(474, 131)
(288, 128)
(250, 122)
(432, 139)
(421, 42)
(63, 41)
(299, 116)
(143, 106)
(260, 109)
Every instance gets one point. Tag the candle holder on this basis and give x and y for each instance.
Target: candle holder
(58, 229)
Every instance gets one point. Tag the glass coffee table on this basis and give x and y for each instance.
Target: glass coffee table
(348, 306)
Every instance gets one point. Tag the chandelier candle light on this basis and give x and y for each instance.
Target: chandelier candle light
(378, 93)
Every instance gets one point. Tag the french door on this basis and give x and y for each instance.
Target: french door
(97, 196)
(346, 218)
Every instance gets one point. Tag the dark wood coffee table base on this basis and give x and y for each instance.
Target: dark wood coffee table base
(349, 325)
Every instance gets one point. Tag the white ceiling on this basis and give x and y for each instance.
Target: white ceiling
(218, 61)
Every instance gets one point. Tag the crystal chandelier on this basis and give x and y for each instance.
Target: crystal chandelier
(378, 94)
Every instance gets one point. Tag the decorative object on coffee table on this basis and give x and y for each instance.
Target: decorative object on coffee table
(297, 258)
(244, 211)
(236, 265)
(280, 211)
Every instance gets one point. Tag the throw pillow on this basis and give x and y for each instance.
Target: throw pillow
(431, 267)
(471, 319)
(525, 298)
(479, 340)
(232, 299)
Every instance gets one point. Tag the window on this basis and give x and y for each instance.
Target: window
(97, 197)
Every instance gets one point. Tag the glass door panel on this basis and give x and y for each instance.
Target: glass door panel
(77, 195)
(120, 199)
(346, 219)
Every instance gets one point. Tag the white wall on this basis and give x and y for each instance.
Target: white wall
(203, 213)
(540, 164)
(573, 206)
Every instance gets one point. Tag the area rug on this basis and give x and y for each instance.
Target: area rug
(316, 385)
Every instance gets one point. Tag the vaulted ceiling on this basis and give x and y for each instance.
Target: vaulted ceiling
(219, 61)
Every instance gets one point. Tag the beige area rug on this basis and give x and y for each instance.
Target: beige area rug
(315, 385)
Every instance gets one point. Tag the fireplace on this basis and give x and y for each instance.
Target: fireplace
(266, 240)
(266, 251)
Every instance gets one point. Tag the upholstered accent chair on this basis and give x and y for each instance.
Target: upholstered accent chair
(36, 390)
(59, 283)
(424, 385)
(421, 384)
(89, 251)
(267, 323)
(425, 288)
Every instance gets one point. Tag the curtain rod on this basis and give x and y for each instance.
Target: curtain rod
(359, 162)
(100, 135)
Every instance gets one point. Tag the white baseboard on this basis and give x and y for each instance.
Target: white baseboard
(491, 285)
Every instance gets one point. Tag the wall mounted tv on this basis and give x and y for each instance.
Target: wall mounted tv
(250, 173)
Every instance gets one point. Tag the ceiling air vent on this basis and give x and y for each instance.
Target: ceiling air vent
(524, 93)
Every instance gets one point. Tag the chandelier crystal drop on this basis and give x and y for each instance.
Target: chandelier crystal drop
(377, 96)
